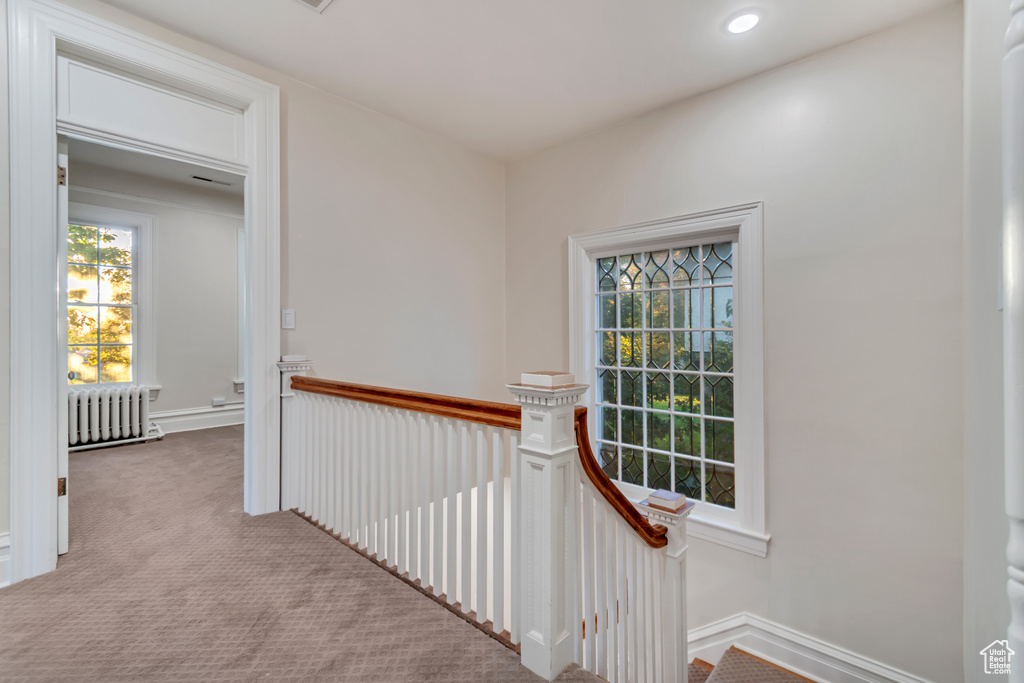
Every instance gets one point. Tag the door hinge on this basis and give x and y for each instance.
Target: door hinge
(62, 175)
(62, 487)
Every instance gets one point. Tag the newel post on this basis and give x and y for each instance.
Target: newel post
(289, 367)
(549, 487)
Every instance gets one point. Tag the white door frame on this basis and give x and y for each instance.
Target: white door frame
(38, 29)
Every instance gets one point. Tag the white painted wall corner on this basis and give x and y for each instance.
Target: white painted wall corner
(798, 652)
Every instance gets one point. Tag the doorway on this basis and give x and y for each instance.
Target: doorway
(139, 95)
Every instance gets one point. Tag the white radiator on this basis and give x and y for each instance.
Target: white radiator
(113, 414)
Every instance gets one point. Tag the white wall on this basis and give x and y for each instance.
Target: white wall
(856, 153)
(5, 285)
(195, 283)
(986, 610)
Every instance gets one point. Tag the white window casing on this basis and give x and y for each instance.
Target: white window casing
(742, 528)
(144, 319)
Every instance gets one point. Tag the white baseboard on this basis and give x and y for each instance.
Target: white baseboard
(191, 419)
(798, 652)
(5, 559)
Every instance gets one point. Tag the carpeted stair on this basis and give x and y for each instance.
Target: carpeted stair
(737, 666)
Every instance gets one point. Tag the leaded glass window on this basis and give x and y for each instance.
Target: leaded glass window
(664, 373)
(101, 304)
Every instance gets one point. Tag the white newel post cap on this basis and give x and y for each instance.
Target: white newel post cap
(549, 400)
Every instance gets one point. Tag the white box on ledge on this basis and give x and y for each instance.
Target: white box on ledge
(548, 379)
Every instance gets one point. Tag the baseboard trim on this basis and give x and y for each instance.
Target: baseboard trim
(192, 419)
(798, 652)
(5, 560)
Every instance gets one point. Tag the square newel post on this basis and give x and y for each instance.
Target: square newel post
(549, 483)
(290, 366)
(673, 580)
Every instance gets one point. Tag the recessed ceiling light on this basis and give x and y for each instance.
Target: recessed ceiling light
(743, 23)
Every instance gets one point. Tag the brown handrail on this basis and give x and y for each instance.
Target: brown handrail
(505, 415)
(654, 535)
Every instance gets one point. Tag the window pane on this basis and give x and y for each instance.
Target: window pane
(82, 324)
(115, 247)
(659, 349)
(81, 244)
(684, 267)
(718, 351)
(609, 418)
(82, 365)
(685, 306)
(718, 392)
(632, 310)
(721, 485)
(606, 274)
(657, 269)
(633, 466)
(115, 285)
(607, 342)
(82, 283)
(718, 261)
(659, 471)
(718, 307)
(115, 364)
(687, 394)
(688, 478)
(633, 427)
(658, 390)
(630, 273)
(631, 349)
(115, 325)
(606, 316)
(659, 433)
(608, 459)
(632, 390)
(687, 436)
(718, 440)
(686, 352)
(657, 309)
(608, 387)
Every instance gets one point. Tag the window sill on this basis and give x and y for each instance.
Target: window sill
(722, 533)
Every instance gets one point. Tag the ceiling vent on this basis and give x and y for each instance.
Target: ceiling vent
(211, 180)
(318, 5)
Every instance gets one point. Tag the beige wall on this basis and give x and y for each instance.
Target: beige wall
(856, 153)
(986, 529)
(195, 279)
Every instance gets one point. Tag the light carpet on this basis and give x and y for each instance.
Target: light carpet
(168, 580)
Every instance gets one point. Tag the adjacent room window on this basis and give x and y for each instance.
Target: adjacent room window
(664, 372)
(666, 325)
(101, 304)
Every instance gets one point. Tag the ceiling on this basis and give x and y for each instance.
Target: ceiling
(154, 167)
(510, 77)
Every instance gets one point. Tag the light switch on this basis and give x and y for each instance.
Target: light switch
(288, 319)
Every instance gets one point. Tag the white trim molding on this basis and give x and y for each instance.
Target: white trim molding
(744, 528)
(191, 419)
(39, 31)
(800, 653)
(5, 560)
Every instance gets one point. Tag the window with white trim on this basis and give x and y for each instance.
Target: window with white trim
(107, 288)
(667, 328)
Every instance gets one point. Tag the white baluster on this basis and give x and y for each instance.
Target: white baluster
(466, 512)
(482, 528)
(439, 458)
(405, 517)
(422, 500)
(363, 490)
(591, 580)
(498, 529)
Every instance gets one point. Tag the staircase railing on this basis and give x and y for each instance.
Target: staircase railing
(492, 509)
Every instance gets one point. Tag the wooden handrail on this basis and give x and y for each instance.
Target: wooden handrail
(654, 535)
(506, 415)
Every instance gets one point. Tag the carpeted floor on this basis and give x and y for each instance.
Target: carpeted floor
(168, 580)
